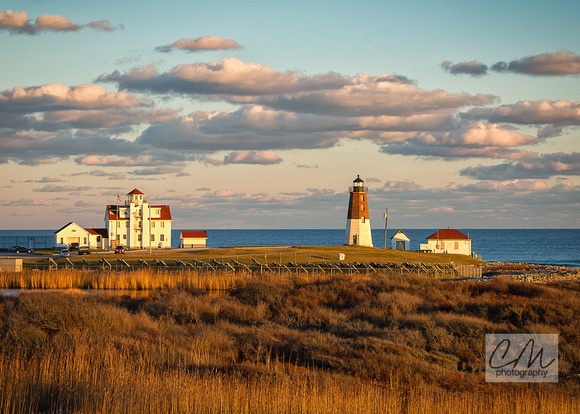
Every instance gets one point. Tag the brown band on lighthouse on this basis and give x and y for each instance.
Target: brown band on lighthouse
(358, 206)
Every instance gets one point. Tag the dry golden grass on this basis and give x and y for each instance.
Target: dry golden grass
(282, 344)
(107, 380)
(141, 279)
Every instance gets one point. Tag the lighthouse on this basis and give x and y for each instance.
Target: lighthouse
(358, 223)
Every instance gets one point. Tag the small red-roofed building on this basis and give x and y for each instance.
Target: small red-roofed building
(71, 234)
(447, 241)
(193, 238)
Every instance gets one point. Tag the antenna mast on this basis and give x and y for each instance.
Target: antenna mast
(386, 218)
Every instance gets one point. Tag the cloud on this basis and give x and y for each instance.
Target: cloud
(543, 166)
(252, 157)
(400, 186)
(18, 23)
(505, 186)
(104, 25)
(40, 123)
(201, 43)
(473, 68)
(113, 161)
(40, 148)
(250, 128)
(45, 180)
(332, 94)
(61, 188)
(57, 95)
(559, 112)
(468, 140)
(56, 23)
(228, 76)
(162, 169)
(561, 63)
(30, 203)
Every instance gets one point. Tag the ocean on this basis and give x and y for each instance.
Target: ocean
(541, 246)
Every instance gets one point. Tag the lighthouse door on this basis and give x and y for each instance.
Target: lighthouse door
(355, 239)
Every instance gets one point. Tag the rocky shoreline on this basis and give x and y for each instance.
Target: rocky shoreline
(531, 272)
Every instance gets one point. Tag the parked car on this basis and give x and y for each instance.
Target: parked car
(65, 252)
(13, 248)
(84, 250)
(119, 249)
(22, 249)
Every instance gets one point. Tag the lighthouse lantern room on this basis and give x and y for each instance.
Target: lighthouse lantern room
(358, 223)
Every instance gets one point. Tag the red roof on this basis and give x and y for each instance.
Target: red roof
(135, 191)
(193, 234)
(448, 234)
(99, 232)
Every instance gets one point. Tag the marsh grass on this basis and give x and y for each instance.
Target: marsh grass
(283, 345)
(143, 279)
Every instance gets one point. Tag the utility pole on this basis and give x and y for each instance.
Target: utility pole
(386, 218)
(149, 213)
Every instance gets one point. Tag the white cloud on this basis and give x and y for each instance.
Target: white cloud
(561, 63)
(201, 43)
(252, 157)
(18, 23)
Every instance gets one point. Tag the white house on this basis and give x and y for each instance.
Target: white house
(73, 234)
(193, 238)
(400, 241)
(137, 224)
(447, 241)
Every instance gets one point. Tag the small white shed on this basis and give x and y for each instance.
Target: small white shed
(400, 241)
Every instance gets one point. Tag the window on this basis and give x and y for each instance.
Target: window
(362, 198)
(152, 237)
(98, 239)
(162, 224)
(124, 237)
(138, 237)
(85, 241)
(118, 224)
(456, 245)
(362, 207)
(162, 237)
(153, 224)
(61, 241)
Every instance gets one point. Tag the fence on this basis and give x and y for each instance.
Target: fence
(438, 271)
(31, 242)
(469, 272)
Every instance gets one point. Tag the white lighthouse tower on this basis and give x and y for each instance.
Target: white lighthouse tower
(358, 223)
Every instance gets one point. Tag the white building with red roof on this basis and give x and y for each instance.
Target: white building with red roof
(137, 223)
(73, 235)
(193, 238)
(447, 241)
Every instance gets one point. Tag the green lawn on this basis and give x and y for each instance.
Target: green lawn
(270, 254)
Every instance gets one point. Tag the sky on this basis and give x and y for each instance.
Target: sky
(260, 114)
